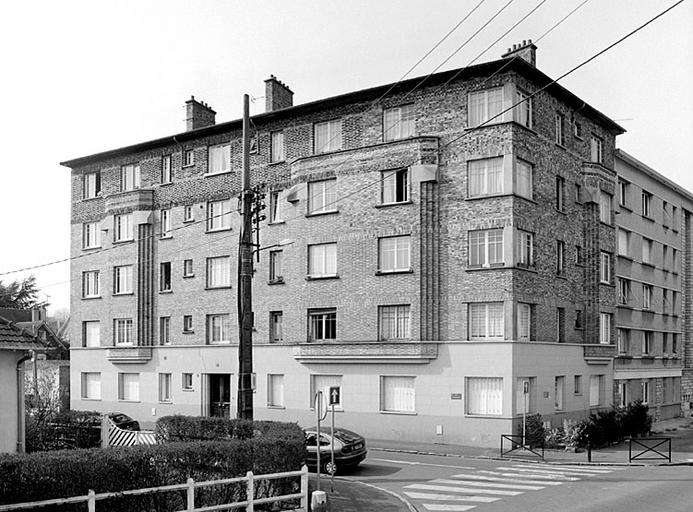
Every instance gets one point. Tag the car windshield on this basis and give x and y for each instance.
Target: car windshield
(347, 436)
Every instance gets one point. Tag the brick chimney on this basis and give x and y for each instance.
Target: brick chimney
(525, 50)
(198, 114)
(277, 95)
(38, 314)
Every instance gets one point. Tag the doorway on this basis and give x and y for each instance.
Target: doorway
(220, 395)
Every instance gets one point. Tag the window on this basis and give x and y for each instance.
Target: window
(322, 324)
(91, 333)
(218, 329)
(395, 186)
(559, 122)
(605, 207)
(665, 301)
(647, 342)
(486, 248)
(646, 204)
(577, 385)
(524, 321)
(645, 391)
(187, 382)
(91, 386)
(322, 260)
(579, 255)
(623, 393)
(219, 272)
(276, 327)
(277, 148)
(91, 235)
(398, 122)
(623, 341)
(275, 267)
(647, 250)
(321, 383)
(393, 322)
(665, 257)
(560, 325)
(558, 390)
(674, 344)
(579, 319)
(560, 257)
(577, 129)
(578, 193)
(523, 179)
(486, 320)
(165, 221)
(219, 215)
(665, 344)
(623, 242)
(596, 385)
(129, 387)
(129, 177)
(219, 159)
(560, 194)
(165, 330)
(165, 387)
(165, 276)
(674, 267)
(485, 177)
(523, 110)
(484, 395)
(605, 328)
(485, 106)
(187, 324)
(122, 330)
(274, 206)
(397, 394)
(647, 296)
(393, 254)
(596, 149)
(623, 291)
(275, 390)
(188, 268)
(122, 227)
(322, 196)
(188, 157)
(122, 279)
(623, 189)
(327, 136)
(166, 175)
(91, 284)
(605, 268)
(524, 249)
(188, 215)
(91, 185)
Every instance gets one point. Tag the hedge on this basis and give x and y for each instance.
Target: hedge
(67, 429)
(200, 428)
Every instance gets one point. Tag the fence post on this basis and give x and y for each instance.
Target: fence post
(304, 488)
(191, 494)
(104, 432)
(91, 501)
(250, 493)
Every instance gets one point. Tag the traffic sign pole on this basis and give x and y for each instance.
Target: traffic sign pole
(318, 413)
(334, 468)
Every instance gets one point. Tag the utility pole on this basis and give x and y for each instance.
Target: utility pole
(245, 281)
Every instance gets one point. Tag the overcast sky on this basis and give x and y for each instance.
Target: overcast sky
(81, 77)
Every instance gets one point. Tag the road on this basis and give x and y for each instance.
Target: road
(437, 483)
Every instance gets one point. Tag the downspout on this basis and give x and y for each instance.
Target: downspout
(20, 402)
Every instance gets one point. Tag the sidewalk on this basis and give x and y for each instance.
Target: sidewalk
(353, 496)
(680, 430)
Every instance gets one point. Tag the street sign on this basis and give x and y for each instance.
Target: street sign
(334, 394)
(525, 388)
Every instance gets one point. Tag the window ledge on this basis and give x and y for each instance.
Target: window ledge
(624, 257)
(279, 280)
(188, 221)
(92, 248)
(488, 196)
(318, 214)
(645, 217)
(187, 165)
(166, 402)
(276, 406)
(562, 146)
(398, 203)
(219, 173)
(319, 278)
(277, 162)
(228, 287)
(651, 265)
(276, 222)
(187, 390)
(609, 224)
(188, 276)
(121, 242)
(219, 230)
(401, 413)
(123, 294)
(391, 272)
(90, 399)
(561, 276)
(165, 183)
(129, 401)
(165, 237)
(626, 208)
(188, 332)
(164, 292)
(562, 212)
(492, 267)
(92, 298)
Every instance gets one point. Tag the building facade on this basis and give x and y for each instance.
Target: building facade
(453, 244)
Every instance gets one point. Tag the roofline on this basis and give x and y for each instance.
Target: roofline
(482, 69)
(646, 169)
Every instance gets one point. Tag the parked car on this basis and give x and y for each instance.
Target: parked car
(349, 448)
(124, 421)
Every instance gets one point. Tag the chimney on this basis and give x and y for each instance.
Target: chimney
(277, 95)
(525, 50)
(38, 314)
(198, 114)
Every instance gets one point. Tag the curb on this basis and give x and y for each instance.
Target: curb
(406, 502)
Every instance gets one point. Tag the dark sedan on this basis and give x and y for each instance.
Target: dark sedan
(349, 448)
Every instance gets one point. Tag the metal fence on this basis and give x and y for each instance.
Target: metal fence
(511, 443)
(658, 448)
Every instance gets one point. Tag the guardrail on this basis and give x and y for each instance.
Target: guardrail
(516, 444)
(649, 445)
(189, 487)
(116, 436)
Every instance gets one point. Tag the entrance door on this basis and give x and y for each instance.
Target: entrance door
(219, 395)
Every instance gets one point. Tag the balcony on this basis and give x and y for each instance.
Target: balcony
(132, 200)
(136, 355)
(599, 354)
(415, 352)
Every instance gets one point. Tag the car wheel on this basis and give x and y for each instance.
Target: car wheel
(329, 468)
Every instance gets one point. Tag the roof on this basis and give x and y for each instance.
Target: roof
(16, 315)
(13, 337)
(52, 339)
(630, 159)
(484, 69)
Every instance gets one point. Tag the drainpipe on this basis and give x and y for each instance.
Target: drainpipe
(20, 403)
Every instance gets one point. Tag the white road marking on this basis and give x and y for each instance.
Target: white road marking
(525, 475)
(455, 508)
(474, 483)
(509, 480)
(469, 490)
(411, 463)
(449, 497)
(544, 472)
(567, 469)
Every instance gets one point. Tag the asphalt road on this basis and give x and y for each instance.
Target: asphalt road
(436, 483)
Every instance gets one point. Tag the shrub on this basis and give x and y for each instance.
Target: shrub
(554, 438)
(535, 433)
(575, 433)
(66, 429)
(635, 420)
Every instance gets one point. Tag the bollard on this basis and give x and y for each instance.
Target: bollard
(318, 501)
(589, 451)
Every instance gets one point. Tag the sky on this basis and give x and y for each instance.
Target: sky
(80, 77)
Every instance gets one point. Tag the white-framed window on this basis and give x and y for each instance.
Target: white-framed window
(275, 214)
(394, 253)
(560, 257)
(596, 386)
(91, 235)
(485, 248)
(219, 215)
(327, 136)
(276, 274)
(321, 383)
(486, 320)
(188, 157)
(605, 268)
(129, 177)
(275, 390)
(646, 391)
(91, 185)
(605, 207)
(623, 242)
(276, 327)
(559, 124)
(91, 385)
(646, 204)
(647, 250)
(218, 329)
(122, 279)
(623, 341)
(187, 381)
(647, 342)
(91, 333)
(322, 324)
(165, 222)
(485, 106)
(165, 388)
(393, 322)
(398, 122)
(188, 214)
(188, 324)
(623, 291)
(166, 169)
(122, 227)
(577, 385)
(647, 296)
(524, 321)
(219, 272)
(188, 270)
(523, 111)
(485, 177)
(129, 387)
(91, 285)
(395, 186)
(605, 328)
(322, 260)
(623, 189)
(484, 396)
(277, 152)
(523, 179)
(397, 394)
(165, 330)
(558, 392)
(524, 249)
(123, 331)
(219, 159)
(322, 196)
(596, 149)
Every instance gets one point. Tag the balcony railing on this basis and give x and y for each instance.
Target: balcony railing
(129, 354)
(367, 352)
(132, 200)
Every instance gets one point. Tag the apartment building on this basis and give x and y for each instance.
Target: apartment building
(454, 244)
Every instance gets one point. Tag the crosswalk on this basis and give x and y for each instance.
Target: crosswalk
(467, 490)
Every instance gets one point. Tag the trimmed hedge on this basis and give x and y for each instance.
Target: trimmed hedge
(200, 428)
(67, 429)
